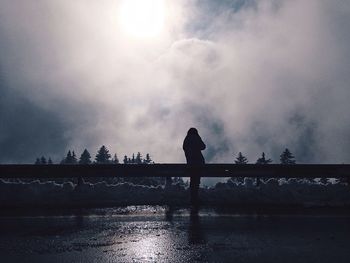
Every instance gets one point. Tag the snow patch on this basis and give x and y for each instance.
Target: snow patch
(305, 192)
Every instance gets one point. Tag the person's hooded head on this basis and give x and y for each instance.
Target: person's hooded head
(192, 132)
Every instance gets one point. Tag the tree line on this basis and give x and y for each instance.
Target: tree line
(104, 157)
(286, 157)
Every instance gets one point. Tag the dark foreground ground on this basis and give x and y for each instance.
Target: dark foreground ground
(160, 234)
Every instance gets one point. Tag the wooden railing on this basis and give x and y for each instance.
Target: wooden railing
(176, 170)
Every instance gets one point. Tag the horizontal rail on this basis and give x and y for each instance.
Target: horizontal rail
(175, 170)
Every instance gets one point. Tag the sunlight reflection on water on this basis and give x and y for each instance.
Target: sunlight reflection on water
(150, 247)
(167, 234)
(151, 241)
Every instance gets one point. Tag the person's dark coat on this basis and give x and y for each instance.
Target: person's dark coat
(193, 145)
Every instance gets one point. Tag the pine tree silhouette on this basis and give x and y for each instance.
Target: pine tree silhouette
(70, 158)
(43, 160)
(263, 160)
(148, 159)
(125, 160)
(287, 157)
(37, 161)
(49, 161)
(74, 158)
(85, 157)
(115, 159)
(138, 159)
(103, 156)
(241, 159)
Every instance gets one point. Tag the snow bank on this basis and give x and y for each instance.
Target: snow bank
(272, 191)
(281, 191)
(14, 193)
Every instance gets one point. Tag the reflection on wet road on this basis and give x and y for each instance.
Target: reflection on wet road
(163, 234)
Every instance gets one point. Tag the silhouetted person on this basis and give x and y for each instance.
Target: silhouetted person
(193, 145)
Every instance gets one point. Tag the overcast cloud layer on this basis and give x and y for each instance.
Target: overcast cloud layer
(251, 76)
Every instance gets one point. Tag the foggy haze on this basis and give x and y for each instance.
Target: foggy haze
(252, 76)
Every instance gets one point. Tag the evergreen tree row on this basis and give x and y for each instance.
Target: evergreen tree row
(138, 159)
(102, 157)
(43, 160)
(286, 157)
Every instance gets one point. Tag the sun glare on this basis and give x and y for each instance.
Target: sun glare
(142, 18)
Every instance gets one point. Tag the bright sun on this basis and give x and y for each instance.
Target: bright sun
(142, 18)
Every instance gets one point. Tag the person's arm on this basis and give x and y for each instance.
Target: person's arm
(201, 144)
(185, 144)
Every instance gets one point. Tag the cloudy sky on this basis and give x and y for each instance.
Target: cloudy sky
(252, 76)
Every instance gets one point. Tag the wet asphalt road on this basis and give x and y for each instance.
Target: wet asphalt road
(159, 234)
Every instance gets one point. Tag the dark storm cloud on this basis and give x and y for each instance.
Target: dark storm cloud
(27, 131)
